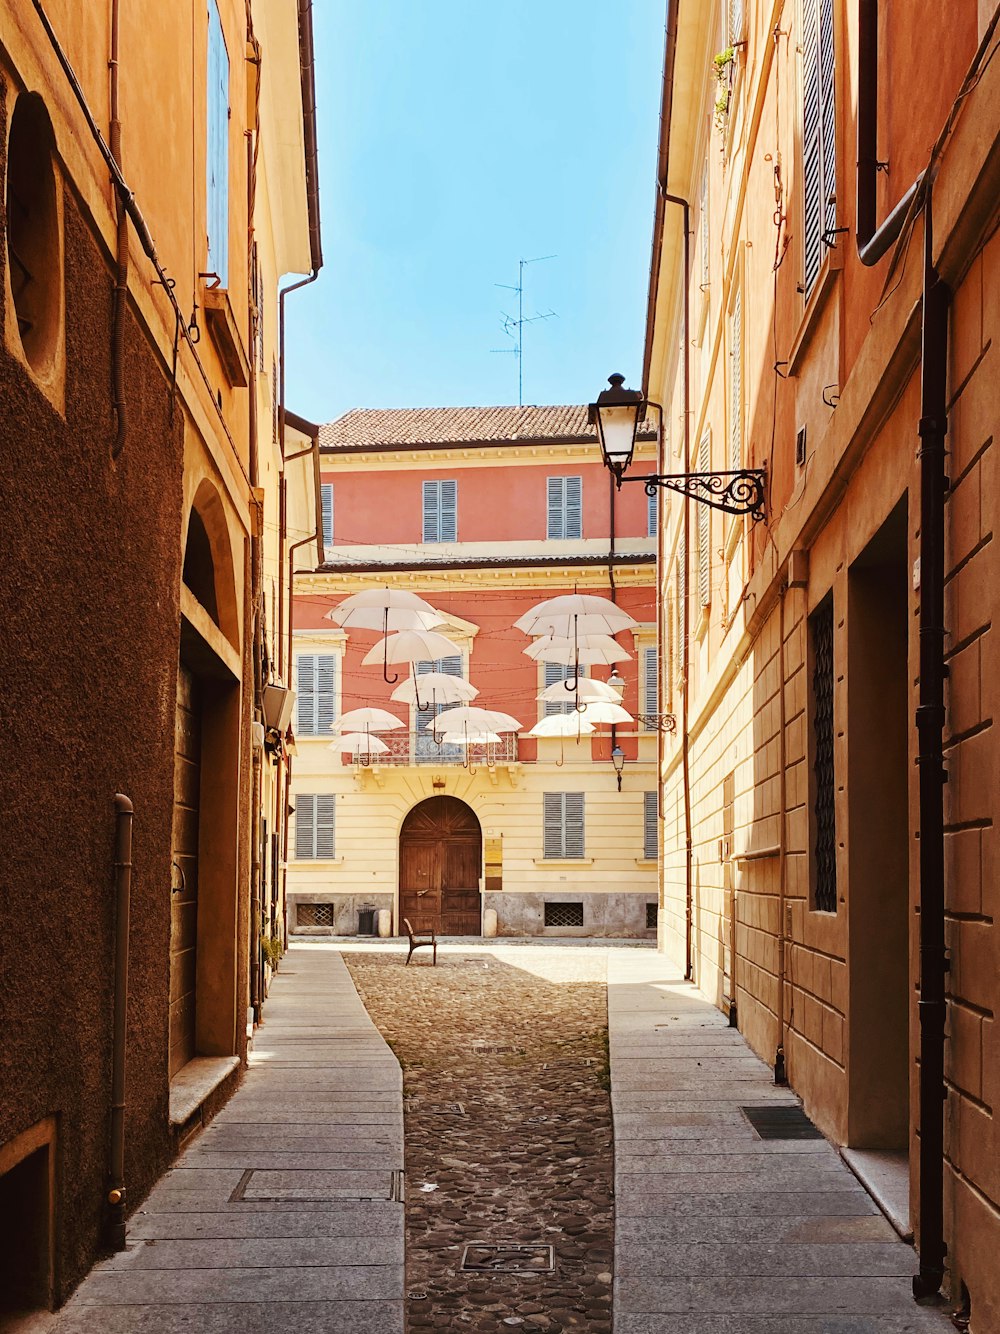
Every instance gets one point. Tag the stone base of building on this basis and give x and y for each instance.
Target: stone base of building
(327, 914)
(627, 915)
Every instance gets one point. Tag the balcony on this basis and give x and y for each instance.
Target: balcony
(421, 748)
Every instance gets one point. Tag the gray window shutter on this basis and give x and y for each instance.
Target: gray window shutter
(828, 115)
(573, 824)
(668, 652)
(557, 671)
(736, 384)
(326, 693)
(574, 507)
(650, 673)
(555, 508)
(652, 513)
(650, 839)
(305, 694)
(449, 511)
(217, 148)
(324, 825)
(812, 183)
(704, 531)
(305, 826)
(425, 747)
(705, 267)
(327, 490)
(432, 512)
(552, 835)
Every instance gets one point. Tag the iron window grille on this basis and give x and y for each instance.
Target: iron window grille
(314, 914)
(564, 914)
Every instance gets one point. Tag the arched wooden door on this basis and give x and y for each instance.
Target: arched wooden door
(440, 855)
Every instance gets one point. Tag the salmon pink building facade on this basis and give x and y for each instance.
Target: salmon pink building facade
(483, 512)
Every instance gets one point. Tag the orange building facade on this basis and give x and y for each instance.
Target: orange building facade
(484, 513)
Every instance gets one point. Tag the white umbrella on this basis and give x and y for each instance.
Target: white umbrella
(372, 720)
(473, 719)
(435, 688)
(603, 711)
(471, 739)
(357, 744)
(575, 613)
(407, 646)
(562, 725)
(385, 609)
(586, 688)
(593, 648)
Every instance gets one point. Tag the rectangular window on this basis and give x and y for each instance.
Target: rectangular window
(650, 692)
(819, 138)
(327, 489)
(440, 511)
(650, 829)
(652, 512)
(316, 697)
(736, 384)
(556, 671)
(735, 21)
(217, 197)
(824, 861)
(563, 825)
(704, 531)
(426, 749)
(564, 507)
(564, 914)
(314, 826)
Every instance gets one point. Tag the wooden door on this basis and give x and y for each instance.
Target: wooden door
(440, 856)
(184, 871)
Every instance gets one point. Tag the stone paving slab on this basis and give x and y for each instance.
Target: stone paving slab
(711, 1221)
(282, 1215)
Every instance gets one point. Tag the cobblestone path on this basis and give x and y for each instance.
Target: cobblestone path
(508, 1131)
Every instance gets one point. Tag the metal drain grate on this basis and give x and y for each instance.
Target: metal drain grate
(486, 1257)
(781, 1122)
(487, 1050)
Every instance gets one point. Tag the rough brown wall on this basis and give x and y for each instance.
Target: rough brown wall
(89, 590)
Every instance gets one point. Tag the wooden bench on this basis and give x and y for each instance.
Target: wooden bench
(418, 938)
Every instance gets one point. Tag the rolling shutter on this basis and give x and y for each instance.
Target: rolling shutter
(217, 149)
(650, 839)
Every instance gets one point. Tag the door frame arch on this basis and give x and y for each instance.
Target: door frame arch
(428, 861)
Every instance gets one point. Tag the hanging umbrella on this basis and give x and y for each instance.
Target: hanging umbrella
(385, 609)
(357, 744)
(603, 711)
(407, 646)
(587, 649)
(575, 613)
(372, 720)
(562, 725)
(473, 719)
(436, 688)
(471, 738)
(586, 688)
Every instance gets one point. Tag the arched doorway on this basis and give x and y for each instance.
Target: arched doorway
(440, 857)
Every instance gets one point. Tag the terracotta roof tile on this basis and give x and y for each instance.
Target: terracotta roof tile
(445, 426)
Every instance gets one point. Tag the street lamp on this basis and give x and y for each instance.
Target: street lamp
(617, 414)
(618, 760)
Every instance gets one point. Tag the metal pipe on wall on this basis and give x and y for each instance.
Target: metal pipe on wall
(115, 1203)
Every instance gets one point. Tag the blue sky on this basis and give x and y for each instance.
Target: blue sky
(455, 137)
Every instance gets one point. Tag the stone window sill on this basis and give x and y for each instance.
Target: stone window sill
(564, 861)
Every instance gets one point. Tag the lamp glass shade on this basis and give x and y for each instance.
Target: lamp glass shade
(618, 759)
(616, 427)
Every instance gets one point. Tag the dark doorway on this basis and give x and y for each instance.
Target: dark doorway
(184, 878)
(440, 860)
(878, 907)
(26, 1207)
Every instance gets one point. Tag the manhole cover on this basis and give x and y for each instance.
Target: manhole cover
(507, 1258)
(781, 1121)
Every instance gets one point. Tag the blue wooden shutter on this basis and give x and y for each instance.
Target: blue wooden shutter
(305, 826)
(327, 489)
(217, 198)
(324, 825)
(736, 384)
(650, 840)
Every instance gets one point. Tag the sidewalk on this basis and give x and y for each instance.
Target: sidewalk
(718, 1231)
(284, 1214)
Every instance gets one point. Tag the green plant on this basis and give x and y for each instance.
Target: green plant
(723, 64)
(272, 950)
(722, 61)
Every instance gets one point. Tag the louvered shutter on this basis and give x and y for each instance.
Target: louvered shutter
(650, 673)
(652, 513)
(305, 826)
(305, 694)
(326, 693)
(564, 507)
(425, 746)
(557, 671)
(735, 21)
(552, 818)
(828, 117)
(432, 512)
(736, 384)
(327, 490)
(704, 531)
(324, 825)
(811, 151)
(449, 511)
(573, 526)
(650, 839)
(217, 148)
(555, 509)
(668, 652)
(573, 840)
(703, 211)
(682, 592)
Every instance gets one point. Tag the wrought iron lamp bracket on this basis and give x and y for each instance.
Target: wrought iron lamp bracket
(659, 722)
(743, 492)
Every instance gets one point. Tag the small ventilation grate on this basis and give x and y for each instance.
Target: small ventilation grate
(507, 1258)
(314, 914)
(780, 1121)
(564, 914)
(652, 910)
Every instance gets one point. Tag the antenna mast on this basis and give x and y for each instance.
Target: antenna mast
(515, 328)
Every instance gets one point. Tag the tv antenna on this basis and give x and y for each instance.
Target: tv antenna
(514, 329)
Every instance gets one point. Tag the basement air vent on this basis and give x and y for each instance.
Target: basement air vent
(564, 914)
(651, 914)
(314, 914)
(781, 1121)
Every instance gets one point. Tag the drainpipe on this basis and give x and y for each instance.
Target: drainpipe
(114, 1218)
(930, 760)
(780, 1069)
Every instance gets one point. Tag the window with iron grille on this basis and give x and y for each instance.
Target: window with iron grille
(563, 825)
(327, 492)
(704, 531)
(426, 749)
(440, 516)
(554, 672)
(314, 820)
(650, 687)
(650, 827)
(652, 914)
(819, 136)
(564, 914)
(316, 694)
(217, 151)
(824, 861)
(314, 914)
(564, 507)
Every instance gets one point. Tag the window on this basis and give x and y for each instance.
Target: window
(315, 686)
(33, 231)
(564, 914)
(650, 693)
(650, 831)
(327, 489)
(819, 139)
(565, 507)
(217, 197)
(563, 825)
(426, 749)
(556, 671)
(703, 217)
(704, 531)
(824, 781)
(669, 641)
(440, 511)
(652, 512)
(314, 826)
(314, 914)
(736, 384)
(734, 24)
